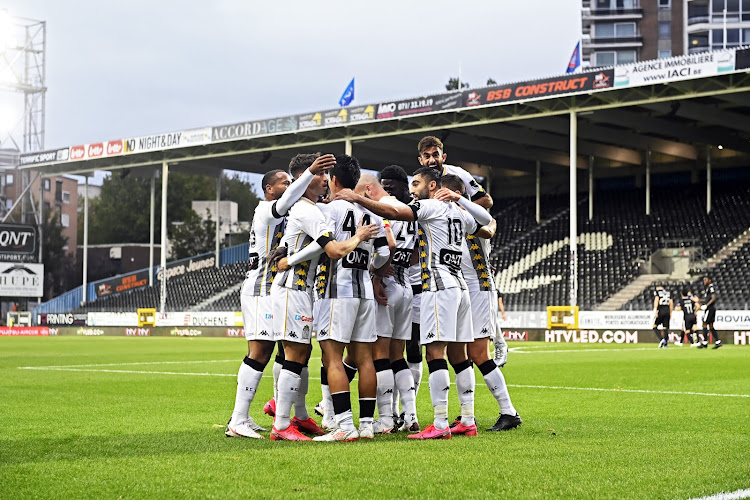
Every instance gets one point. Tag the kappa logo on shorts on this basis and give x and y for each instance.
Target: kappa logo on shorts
(468, 391)
(388, 391)
(264, 333)
(323, 333)
(485, 330)
(447, 389)
(293, 334)
(430, 335)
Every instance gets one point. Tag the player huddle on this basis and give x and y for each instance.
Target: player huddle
(373, 268)
(690, 305)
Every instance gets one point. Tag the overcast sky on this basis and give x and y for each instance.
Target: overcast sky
(124, 69)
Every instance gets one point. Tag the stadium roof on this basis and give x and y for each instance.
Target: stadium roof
(673, 107)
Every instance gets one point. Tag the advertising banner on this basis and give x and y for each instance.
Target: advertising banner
(426, 104)
(674, 68)
(187, 266)
(257, 128)
(169, 140)
(122, 283)
(62, 319)
(21, 280)
(24, 331)
(200, 319)
(112, 319)
(96, 150)
(18, 243)
(561, 85)
(51, 156)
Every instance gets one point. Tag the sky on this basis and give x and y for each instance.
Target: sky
(124, 69)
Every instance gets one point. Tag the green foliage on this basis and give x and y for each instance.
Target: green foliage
(146, 431)
(193, 236)
(491, 81)
(58, 265)
(121, 213)
(453, 84)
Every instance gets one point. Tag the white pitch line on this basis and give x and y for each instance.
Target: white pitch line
(130, 364)
(518, 350)
(520, 386)
(639, 391)
(734, 495)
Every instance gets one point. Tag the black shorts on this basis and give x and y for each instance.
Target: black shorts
(710, 316)
(689, 323)
(662, 319)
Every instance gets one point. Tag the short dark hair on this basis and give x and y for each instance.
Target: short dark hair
(302, 162)
(346, 170)
(454, 183)
(685, 290)
(269, 177)
(430, 174)
(394, 172)
(428, 142)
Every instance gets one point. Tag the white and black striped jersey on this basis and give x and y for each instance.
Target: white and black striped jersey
(405, 233)
(265, 234)
(474, 265)
(348, 276)
(473, 189)
(305, 224)
(440, 235)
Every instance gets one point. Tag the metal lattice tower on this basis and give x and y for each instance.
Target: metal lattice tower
(23, 44)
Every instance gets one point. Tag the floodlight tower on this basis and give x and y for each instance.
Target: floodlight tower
(23, 44)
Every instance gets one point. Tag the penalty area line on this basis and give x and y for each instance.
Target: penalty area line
(636, 391)
(734, 495)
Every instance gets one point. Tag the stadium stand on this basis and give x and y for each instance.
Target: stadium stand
(532, 259)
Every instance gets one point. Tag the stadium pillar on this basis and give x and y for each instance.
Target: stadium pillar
(151, 232)
(648, 182)
(84, 288)
(538, 191)
(708, 179)
(163, 291)
(573, 209)
(591, 187)
(218, 218)
(348, 147)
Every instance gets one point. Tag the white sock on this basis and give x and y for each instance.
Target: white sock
(300, 403)
(385, 395)
(277, 367)
(440, 383)
(327, 402)
(465, 385)
(407, 391)
(289, 383)
(247, 385)
(496, 384)
(416, 371)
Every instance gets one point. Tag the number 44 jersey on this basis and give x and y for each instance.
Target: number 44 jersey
(348, 276)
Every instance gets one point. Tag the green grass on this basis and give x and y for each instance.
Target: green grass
(96, 434)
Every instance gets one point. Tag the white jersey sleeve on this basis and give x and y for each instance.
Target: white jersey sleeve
(473, 189)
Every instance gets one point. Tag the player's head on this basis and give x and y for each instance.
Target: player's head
(659, 288)
(454, 183)
(425, 182)
(274, 184)
(685, 291)
(319, 185)
(395, 182)
(431, 154)
(707, 280)
(369, 187)
(345, 173)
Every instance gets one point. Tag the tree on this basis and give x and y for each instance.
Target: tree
(491, 81)
(193, 236)
(58, 264)
(453, 84)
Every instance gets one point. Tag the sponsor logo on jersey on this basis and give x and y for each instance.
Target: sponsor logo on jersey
(450, 258)
(306, 319)
(356, 259)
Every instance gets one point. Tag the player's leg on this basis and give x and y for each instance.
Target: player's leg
(338, 382)
(404, 382)
(413, 345)
(382, 363)
(363, 337)
(458, 357)
(717, 340)
(292, 308)
(495, 381)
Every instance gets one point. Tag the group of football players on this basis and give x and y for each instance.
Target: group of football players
(690, 305)
(376, 269)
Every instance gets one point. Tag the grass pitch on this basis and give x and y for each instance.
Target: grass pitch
(143, 418)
